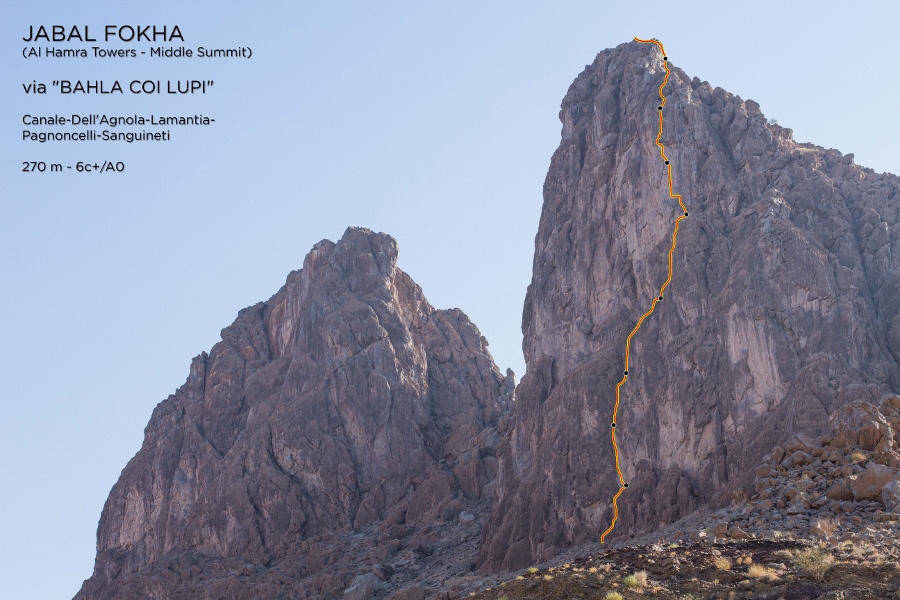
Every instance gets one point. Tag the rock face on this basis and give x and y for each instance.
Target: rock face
(784, 307)
(345, 403)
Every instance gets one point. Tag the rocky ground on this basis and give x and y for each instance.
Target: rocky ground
(787, 569)
(409, 563)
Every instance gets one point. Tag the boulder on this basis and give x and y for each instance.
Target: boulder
(868, 484)
(840, 491)
(738, 534)
(861, 424)
(890, 495)
(412, 592)
(362, 587)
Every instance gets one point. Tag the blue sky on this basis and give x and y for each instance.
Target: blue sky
(434, 122)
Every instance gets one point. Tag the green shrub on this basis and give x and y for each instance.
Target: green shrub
(815, 562)
(637, 580)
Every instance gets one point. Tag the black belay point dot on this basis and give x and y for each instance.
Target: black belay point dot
(667, 162)
(685, 214)
(626, 372)
(613, 424)
(660, 297)
(665, 58)
(659, 107)
(624, 485)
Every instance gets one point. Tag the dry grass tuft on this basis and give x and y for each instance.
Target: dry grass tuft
(761, 572)
(827, 526)
(723, 563)
(613, 596)
(756, 571)
(865, 550)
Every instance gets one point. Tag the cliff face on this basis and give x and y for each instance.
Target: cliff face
(784, 306)
(344, 403)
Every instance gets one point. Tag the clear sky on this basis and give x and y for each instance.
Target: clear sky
(434, 122)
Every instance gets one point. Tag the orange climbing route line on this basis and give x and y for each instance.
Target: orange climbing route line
(672, 194)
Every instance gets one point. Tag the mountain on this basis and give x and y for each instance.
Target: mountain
(346, 439)
(332, 427)
(783, 307)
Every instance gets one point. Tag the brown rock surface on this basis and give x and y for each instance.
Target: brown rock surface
(345, 403)
(840, 491)
(890, 495)
(784, 306)
(412, 592)
(868, 484)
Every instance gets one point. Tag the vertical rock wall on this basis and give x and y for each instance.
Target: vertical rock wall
(784, 306)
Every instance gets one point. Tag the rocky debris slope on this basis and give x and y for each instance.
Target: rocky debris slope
(824, 523)
(783, 308)
(732, 570)
(840, 487)
(828, 503)
(342, 425)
